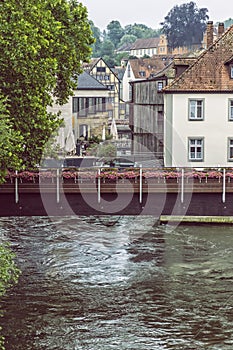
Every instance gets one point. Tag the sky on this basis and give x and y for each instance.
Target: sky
(148, 12)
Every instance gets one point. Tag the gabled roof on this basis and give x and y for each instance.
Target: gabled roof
(145, 43)
(150, 66)
(209, 73)
(87, 82)
(124, 48)
(119, 72)
(88, 67)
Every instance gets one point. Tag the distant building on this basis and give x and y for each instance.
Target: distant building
(143, 47)
(141, 69)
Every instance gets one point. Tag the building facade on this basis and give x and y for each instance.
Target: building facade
(199, 109)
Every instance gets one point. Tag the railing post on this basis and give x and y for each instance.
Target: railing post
(224, 186)
(58, 187)
(182, 185)
(16, 187)
(140, 184)
(98, 194)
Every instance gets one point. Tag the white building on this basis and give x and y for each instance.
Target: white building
(199, 110)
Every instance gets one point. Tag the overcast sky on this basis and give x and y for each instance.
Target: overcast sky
(148, 12)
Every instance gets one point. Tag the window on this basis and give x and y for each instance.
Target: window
(159, 85)
(100, 104)
(142, 73)
(91, 105)
(82, 106)
(111, 87)
(231, 72)
(230, 149)
(101, 69)
(230, 112)
(83, 131)
(75, 104)
(128, 71)
(196, 109)
(196, 149)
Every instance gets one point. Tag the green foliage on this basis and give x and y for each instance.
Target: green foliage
(141, 31)
(107, 48)
(10, 142)
(107, 53)
(102, 150)
(9, 274)
(127, 39)
(115, 36)
(115, 32)
(184, 25)
(96, 46)
(111, 61)
(50, 40)
(120, 56)
(107, 150)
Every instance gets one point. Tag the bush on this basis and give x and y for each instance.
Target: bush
(9, 274)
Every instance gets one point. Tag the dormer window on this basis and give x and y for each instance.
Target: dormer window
(231, 71)
(142, 73)
(229, 63)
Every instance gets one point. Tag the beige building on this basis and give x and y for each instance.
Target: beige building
(98, 69)
(89, 107)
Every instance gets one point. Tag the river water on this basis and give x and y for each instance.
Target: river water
(97, 283)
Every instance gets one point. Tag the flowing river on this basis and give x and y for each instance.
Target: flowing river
(97, 283)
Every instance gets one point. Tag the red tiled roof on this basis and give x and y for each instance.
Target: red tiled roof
(145, 43)
(210, 72)
(147, 65)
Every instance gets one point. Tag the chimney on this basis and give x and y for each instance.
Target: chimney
(210, 33)
(221, 29)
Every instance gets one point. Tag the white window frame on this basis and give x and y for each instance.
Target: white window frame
(196, 109)
(230, 149)
(194, 153)
(230, 109)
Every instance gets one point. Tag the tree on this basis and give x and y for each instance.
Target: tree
(9, 274)
(141, 31)
(96, 47)
(127, 39)
(107, 53)
(10, 142)
(184, 25)
(115, 32)
(37, 62)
